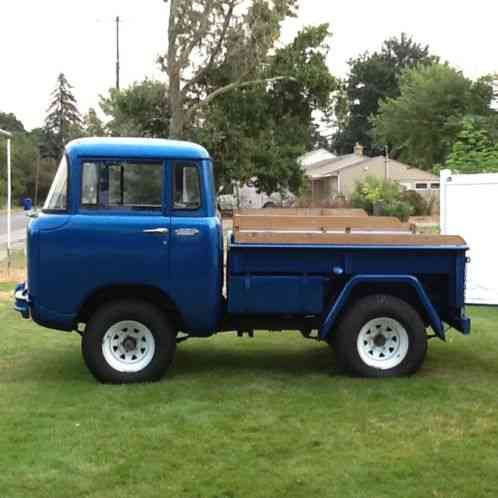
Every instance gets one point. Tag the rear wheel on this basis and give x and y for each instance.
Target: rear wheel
(128, 341)
(381, 336)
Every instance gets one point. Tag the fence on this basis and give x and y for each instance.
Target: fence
(469, 207)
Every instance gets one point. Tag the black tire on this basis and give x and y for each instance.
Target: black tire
(380, 306)
(152, 318)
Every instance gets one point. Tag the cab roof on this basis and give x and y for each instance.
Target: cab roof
(145, 148)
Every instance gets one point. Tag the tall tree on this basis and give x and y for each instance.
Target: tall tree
(372, 78)
(257, 133)
(63, 121)
(424, 121)
(139, 110)
(205, 34)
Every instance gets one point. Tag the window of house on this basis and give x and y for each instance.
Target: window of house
(421, 186)
(434, 186)
(186, 185)
(124, 185)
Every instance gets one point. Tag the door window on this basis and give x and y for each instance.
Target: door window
(186, 186)
(123, 185)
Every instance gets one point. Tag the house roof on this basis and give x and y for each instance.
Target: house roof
(399, 170)
(331, 167)
(310, 159)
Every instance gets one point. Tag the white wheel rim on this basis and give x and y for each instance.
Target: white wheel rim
(383, 343)
(128, 346)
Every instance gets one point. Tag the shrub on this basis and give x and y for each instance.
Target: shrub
(417, 201)
(382, 196)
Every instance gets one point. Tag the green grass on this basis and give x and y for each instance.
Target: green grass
(263, 417)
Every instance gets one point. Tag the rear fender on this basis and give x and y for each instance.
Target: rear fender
(343, 299)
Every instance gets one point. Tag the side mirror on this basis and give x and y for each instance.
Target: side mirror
(27, 204)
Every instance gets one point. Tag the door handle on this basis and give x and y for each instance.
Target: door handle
(157, 231)
(186, 232)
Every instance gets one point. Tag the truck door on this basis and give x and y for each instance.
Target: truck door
(195, 245)
(118, 234)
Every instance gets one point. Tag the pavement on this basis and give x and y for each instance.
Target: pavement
(19, 221)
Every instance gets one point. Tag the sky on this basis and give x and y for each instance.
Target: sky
(40, 39)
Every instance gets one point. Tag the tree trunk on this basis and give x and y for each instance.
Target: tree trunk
(175, 97)
(177, 120)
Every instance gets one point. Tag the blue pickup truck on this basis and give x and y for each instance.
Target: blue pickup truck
(128, 251)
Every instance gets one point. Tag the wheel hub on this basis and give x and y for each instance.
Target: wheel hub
(128, 346)
(379, 341)
(383, 343)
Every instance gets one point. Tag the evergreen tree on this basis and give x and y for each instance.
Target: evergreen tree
(63, 121)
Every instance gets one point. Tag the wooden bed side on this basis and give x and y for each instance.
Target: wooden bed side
(348, 239)
(318, 223)
(355, 212)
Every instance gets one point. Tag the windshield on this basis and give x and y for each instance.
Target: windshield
(57, 196)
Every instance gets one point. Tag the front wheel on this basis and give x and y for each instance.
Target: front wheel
(381, 336)
(128, 341)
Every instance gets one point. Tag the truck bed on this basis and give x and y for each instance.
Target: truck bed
(303, 266)
(332, 230)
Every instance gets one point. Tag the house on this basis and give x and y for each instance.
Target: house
(339, 175)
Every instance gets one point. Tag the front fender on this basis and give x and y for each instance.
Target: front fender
(342, 300)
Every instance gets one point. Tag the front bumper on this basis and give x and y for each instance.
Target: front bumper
(22, 301)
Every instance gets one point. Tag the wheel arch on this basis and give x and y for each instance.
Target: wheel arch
(150, 294)
(406, 287)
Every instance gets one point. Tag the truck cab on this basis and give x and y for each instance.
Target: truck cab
(128, 252)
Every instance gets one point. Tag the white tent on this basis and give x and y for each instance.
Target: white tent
(469, 207)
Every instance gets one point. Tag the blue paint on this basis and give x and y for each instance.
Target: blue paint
(76, 253)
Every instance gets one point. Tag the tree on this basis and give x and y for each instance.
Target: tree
(257, 133)
(63, 121)
(474, 151)
(423, 122)
(139, 110)
(206, 34)
(93, 125)
(9, 122)
(372, 78)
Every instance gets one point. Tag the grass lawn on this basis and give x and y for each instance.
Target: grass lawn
(263, 417)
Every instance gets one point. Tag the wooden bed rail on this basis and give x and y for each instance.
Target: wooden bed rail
(324, 224)
(302, 212)
(333, 230)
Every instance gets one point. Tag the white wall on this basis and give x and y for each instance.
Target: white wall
(469, 207)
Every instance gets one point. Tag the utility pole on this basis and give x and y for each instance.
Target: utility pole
(37, 176)
(8, 136)
(386, 155)
(117, 53)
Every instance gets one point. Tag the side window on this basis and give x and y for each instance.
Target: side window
(123, 185)
(58, 193)
(186, 185)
